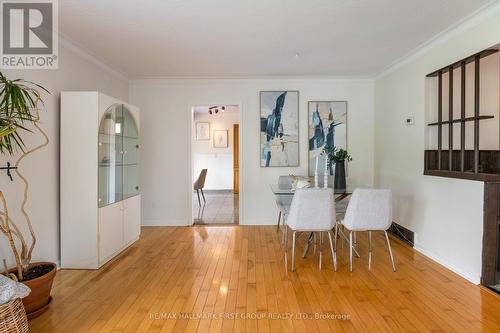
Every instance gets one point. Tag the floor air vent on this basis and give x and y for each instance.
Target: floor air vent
(402, 233)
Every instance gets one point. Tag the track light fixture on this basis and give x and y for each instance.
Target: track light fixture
(216, 109)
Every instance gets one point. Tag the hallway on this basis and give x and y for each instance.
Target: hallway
(221, 207)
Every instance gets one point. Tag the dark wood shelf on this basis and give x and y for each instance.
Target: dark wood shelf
(459, 120)
(467, 60)
(483, 177)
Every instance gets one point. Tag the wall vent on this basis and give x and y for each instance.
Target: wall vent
(402, 233)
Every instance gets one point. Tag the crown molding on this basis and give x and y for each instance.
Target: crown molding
(69, 44)
(464, 24)
(252, 77)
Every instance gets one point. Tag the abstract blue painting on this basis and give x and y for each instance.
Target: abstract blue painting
(279, 128)
(327, 128)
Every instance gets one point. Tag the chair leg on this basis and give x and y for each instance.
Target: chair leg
(369, 250)
(285, 250)
(334, 252)
(279, 219)
(285, 229)
(293, 250)
(347, 240)
(390, 251)
(320, 249)
(350, 251)
(314, 241)
(340, 232)
(203, 195)
(336, 235)
(198, 193)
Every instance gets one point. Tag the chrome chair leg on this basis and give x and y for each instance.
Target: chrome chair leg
(390, 251)
(293, 250)
(285, 247)
(198, 193)
(334, 253)
(285, 231)
(314, 242)
(369, 250)
(279, 218)
(336, 235)
(309, 240)
(320, 249)
(203, 195)
(350, 251)
(347, 240)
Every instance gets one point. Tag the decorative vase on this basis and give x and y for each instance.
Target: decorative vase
(340, 183)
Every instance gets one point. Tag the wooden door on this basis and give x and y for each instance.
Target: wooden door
(236, 157)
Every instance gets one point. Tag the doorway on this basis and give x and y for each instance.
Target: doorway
(215, 156)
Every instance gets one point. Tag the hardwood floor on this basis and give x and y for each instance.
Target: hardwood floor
(239, 271)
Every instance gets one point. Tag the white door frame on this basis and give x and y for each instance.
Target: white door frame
(190, 158)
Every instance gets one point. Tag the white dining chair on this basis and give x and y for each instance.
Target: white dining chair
(283, 202)
(368, 210)
(312, 210)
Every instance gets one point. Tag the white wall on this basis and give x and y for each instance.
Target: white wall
(76, 72)
(218, 161)
(166, 137)
(445, 214)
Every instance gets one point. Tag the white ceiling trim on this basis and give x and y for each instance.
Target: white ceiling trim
(467, 22)
(257, 77)
(65, 42)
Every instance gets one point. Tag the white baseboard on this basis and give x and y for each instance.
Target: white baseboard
(163, 223)
(258, 222)
(466, 275)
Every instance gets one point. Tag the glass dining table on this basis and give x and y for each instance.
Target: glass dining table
(341, 201)
(340, 194)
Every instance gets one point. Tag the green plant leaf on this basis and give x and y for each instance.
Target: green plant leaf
(18, 100)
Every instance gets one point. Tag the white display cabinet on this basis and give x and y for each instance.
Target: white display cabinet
(100, 198)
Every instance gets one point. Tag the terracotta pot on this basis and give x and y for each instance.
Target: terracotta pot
(39, 299)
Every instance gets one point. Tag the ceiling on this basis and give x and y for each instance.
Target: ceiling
(161, 38)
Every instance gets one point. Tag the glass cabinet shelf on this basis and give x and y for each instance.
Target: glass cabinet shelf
(116, 165)
(118, 162)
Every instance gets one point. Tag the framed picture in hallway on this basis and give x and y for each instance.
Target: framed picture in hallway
(327, 128)
(220, 139)
(279, 128)
(202, 130)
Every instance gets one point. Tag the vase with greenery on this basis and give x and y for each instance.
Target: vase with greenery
(20, 103)
(338, 156)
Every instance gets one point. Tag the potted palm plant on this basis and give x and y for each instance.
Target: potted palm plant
(339, 157)
(19, 113)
